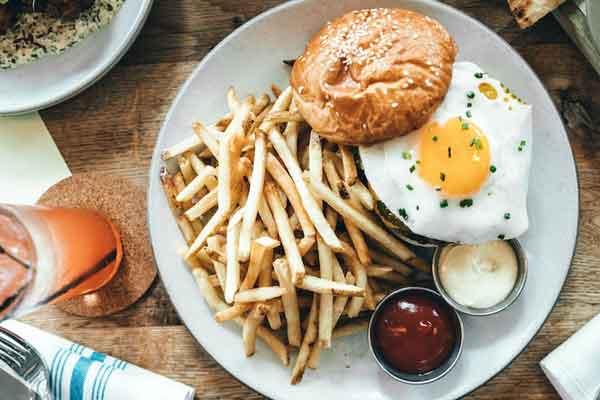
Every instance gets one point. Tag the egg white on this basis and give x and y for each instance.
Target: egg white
(505, 191)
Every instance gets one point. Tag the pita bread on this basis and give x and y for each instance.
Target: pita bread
(527, 12)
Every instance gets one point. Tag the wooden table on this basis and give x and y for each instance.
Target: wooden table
(112, 128)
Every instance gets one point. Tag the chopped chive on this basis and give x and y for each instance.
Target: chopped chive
(418, 161)
(469, 105)
(403, 213)
(444, 203)
(477, 143)
(465, 126)
(409, 187)
(478, 75)
(437, 189)
(521, 145)
(501, 237)
(466, 203)
(469, 114)
(506, 215)
(442, 176)
(471, 95)
(435, 138)
(449, 152)
(412, 169)
(418, 208)
(406, 155)
(492, 168)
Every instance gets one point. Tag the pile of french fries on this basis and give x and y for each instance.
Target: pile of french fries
(281, 234)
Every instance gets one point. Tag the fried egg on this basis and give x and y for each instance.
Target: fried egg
(463, 176)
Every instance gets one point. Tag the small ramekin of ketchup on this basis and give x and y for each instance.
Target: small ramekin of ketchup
(415, 336)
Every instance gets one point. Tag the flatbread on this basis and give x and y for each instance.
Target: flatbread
(528, 12)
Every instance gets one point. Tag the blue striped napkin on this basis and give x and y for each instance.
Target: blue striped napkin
(80, 373)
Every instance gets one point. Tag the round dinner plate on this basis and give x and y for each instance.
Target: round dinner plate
(250, 59)
(55, 78)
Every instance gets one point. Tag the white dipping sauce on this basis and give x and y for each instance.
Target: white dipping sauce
(480, 275)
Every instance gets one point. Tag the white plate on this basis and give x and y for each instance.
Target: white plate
(56, 78)
(250, 59)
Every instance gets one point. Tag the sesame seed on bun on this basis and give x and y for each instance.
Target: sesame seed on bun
(372, 75)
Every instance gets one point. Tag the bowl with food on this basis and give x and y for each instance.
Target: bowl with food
(53, 49)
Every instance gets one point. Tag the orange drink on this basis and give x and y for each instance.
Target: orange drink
(53, 254)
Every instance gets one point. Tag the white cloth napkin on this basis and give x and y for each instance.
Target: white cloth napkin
(80, 373)
(574, 367)
(29, 161)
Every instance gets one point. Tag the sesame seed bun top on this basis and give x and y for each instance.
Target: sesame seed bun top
(372, 75)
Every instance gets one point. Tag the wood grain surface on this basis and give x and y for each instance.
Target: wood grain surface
(112, 128)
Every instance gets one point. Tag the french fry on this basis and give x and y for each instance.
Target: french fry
(393, 276)
(191, 143)
(212, 299)
(233, 312)
(350, 329)
(251, 324)
(291, 132)
(309, 338)
(170, 192)
(324, 286)
(266, 279)
(388, 261)
(285, 182)
(229, 155)
(259, 294)
(264, 212)
(360, 273)
(310, 204)
(256, 189)
(360, 192)
(369, 301)
(197, 226)
(315, 157)
(355, 234)
(186, 229)
(305, 244)
(208, 136)
(350, 172)
(289, 301)
(232, 282)
(233, 102)
(186, 168)
(365, 224)
(203, 205)
(285, 233)
(314, 358)
(259, 251)
(276, 90)
(284, 116)
(196, 184)
(261, 104)
(377, 271)
(216, 221)
(221, 271)
(340, 302)
(326, 300)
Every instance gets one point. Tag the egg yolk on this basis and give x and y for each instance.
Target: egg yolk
(454, 157)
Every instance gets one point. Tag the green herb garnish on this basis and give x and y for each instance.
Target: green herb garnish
(521, 145)
(492, 168)
(506, 215)
(449, 152)
(469, 105)
(471, 95)
(435, 138)
(403, 213)
(409, 187)
(478, 75)
(412, 169)
(469, 114)
(466, 203)
(501, 237)
(465, 126)
(444, 203)
(477, 143)
(442, 176)
(406, 155)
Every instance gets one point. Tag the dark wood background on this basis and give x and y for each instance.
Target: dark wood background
(112, 128)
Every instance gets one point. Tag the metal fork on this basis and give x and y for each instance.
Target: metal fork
(25, 362)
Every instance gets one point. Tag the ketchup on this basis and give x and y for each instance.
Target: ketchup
(415, 333)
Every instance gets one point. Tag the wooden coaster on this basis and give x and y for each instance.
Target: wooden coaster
(125, 205)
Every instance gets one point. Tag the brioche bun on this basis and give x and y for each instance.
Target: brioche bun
(372, 75)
